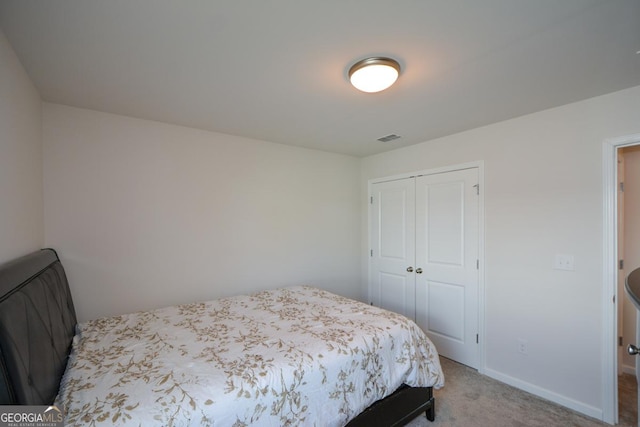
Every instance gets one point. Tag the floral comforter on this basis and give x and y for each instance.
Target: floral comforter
(291, 356)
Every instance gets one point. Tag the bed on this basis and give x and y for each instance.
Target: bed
(290, 356)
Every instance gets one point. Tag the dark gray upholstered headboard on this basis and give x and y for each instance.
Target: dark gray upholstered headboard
(37, 324)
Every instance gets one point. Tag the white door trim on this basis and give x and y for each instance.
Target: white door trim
(481, 255)
(610, 297)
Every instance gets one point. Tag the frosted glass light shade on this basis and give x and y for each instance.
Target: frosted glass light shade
(374, 74)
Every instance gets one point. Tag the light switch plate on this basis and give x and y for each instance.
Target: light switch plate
(564, 262)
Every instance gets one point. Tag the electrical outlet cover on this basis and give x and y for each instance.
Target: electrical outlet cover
(522, 346)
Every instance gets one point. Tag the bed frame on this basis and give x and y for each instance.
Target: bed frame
(37, 325)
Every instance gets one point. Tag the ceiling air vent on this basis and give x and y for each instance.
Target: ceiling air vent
(388, 138)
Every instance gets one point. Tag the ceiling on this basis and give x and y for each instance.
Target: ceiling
(277, 70)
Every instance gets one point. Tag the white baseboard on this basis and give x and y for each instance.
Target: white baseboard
(626, 369)
(546, 394)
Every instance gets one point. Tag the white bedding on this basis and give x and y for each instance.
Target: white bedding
(292, 356)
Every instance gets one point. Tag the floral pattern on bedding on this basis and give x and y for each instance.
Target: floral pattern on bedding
(285, 357)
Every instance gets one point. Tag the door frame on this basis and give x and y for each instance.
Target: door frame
(481, 254)
(610, 297)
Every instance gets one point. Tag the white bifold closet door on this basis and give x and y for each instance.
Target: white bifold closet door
(424, 234)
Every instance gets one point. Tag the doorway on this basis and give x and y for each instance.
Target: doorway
(613, 297)
(629, 255)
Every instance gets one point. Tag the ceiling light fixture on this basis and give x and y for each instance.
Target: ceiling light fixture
(374, 74)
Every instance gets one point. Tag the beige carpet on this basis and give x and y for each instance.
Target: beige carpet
(469, 399)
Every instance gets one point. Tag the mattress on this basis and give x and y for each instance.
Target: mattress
(290, 356)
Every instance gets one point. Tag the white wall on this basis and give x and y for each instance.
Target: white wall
(631, 244)
(146, 214)
(21, 199)
(543, 196)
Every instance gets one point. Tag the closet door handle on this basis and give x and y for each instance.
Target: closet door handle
(418, 270)
(410, 269)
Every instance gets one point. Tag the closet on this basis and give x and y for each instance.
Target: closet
(424, 234)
